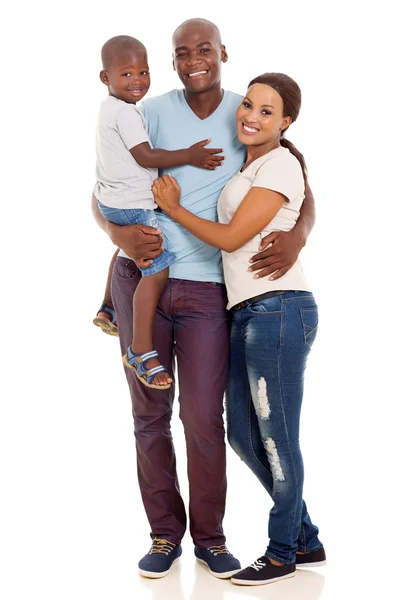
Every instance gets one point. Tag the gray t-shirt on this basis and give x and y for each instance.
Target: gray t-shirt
(121, 181)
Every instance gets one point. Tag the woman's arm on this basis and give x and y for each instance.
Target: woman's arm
(257, 209)
(140, 242)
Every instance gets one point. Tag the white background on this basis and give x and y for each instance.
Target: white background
(72, 522)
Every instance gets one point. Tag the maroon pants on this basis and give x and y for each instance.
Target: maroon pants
(192, 324)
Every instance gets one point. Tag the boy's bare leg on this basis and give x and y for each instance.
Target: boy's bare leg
(107, 294)
(145, 302)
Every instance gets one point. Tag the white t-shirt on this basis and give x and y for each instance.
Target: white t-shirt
(281, 172)
(121, 181)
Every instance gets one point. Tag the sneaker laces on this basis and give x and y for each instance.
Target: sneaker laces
(258, 564)
(218, 549)
(161, 546)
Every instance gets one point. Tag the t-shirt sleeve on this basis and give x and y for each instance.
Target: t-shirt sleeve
(131, 127)
(151, 116)
(282, 174)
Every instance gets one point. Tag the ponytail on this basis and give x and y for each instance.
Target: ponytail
(293, 150)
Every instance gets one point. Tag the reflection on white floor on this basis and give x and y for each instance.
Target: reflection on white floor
(189, 580)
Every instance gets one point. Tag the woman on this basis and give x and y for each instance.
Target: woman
(274, 322)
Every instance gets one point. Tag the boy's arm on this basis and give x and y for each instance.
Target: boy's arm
(286, 245)
(197, 155)
(147, 157)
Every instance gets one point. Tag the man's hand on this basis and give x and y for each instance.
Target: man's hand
(167, 194)
(141, 242)
(280, 250)
(205, 158)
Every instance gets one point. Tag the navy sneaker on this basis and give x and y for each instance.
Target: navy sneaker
(160, 558)
(315, 558)
(262, 571)
(220, 562)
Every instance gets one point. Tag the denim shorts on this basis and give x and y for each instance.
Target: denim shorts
(141, 216)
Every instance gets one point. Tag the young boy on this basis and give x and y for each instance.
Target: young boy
(126, 168)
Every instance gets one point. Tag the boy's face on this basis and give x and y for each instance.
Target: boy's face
(128, 77)
(197, 57)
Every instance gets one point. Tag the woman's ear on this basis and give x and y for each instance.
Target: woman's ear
(285, 123)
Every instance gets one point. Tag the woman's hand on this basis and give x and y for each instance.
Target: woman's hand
(167, 194)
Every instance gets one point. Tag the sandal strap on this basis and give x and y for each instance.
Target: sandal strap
(156, 370)
(110, 311)
(146, 356)
(138, 361)
(151, 374)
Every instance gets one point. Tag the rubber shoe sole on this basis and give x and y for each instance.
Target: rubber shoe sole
(225, 575)
(106, 325)
(311, 564)
(154, 574)
(249, 582)
(315, 558)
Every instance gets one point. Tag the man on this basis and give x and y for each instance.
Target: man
(191, 322)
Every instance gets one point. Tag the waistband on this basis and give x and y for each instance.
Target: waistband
(257, 299)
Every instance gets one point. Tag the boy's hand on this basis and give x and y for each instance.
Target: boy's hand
(167, 194)
(205, 158)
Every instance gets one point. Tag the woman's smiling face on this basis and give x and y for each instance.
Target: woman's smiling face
(259, 119)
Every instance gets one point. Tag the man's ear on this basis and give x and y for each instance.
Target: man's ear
(104, 77)
(173, 63)
(224, 54)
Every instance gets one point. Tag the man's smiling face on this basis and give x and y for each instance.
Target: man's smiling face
(197, 57)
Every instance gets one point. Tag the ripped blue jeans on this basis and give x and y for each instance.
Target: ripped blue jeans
(270, 343)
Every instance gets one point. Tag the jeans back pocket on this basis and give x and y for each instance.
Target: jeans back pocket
(309, 317)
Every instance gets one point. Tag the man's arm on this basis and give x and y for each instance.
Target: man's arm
(306, 220)
(140, 242)
(285, 245)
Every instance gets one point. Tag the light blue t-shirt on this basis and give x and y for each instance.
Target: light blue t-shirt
(173, 125)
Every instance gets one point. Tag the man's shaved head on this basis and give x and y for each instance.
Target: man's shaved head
(199, 24)
(119, 46)
(197, 55)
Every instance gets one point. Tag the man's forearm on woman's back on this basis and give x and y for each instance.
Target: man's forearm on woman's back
(306, 219)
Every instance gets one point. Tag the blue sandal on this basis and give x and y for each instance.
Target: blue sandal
(137, 362)
(107, 325)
